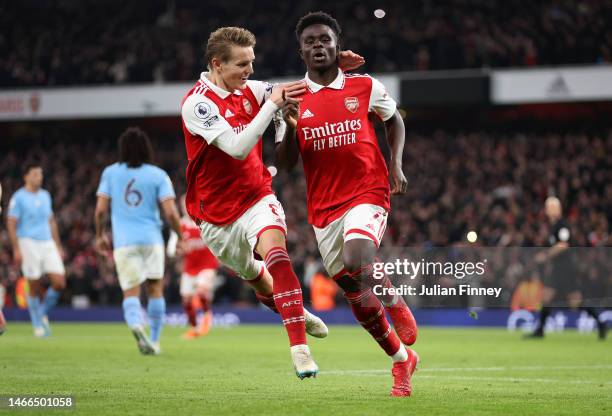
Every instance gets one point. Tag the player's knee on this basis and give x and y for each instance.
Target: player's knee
(59, 285)
(348, 284)
(358, 253)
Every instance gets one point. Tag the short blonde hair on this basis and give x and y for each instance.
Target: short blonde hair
(220, 42)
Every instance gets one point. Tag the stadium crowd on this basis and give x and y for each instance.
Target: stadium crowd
(114, 41)
(493, 183)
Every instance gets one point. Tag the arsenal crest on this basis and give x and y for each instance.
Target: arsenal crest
(247, 106)
(351, 104)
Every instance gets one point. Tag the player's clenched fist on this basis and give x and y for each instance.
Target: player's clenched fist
(282, 92)
(291, 112)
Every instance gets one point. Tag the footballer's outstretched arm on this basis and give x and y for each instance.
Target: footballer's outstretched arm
(217, 132)
(287, 151)
(396, 136)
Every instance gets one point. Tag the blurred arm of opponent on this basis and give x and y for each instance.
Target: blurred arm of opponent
(102, 242)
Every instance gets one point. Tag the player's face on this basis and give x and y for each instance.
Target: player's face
(319, 47)
(238, 68)
(34, 177)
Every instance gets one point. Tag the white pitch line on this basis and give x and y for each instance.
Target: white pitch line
(385, 373)
(463, 369)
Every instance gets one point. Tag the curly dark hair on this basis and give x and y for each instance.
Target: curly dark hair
(135, 147)
(317, 18)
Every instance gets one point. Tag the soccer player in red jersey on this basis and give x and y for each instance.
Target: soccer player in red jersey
(347, 182)
(229, 193)
(198, 277)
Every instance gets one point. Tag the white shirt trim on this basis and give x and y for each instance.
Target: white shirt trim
(216, 89)
(336, 84)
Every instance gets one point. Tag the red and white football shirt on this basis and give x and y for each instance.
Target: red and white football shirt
(343, 164)
(221, 188)
(197, 256)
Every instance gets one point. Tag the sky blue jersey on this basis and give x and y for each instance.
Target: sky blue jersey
(135, 194)
(32, 211)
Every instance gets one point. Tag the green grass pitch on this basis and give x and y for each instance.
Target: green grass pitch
(247, 370)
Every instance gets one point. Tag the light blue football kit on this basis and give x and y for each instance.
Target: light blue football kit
(135, 195)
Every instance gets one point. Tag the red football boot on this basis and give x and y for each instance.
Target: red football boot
(403, 321)
(402, 373)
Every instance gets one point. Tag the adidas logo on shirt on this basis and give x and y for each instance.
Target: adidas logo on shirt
(228, 113)
(307, 114)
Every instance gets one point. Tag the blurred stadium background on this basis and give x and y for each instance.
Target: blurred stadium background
(505, 103)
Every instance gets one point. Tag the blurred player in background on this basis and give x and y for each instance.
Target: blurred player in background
(347, 182)
(564, 282)
(229, 192)
(36, 246)
(134, 189)
(2, 320)
(198, 277)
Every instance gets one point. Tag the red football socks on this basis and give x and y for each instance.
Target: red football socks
(371, 315)
(287, 294)
(190, 311)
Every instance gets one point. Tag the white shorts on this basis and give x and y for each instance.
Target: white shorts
(204, 280)
(39, 257)
(233, 244)
(365, 221)
(135, 264)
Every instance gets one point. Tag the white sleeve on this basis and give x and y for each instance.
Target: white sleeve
(262, 91)
(203, 119)
(381, 102)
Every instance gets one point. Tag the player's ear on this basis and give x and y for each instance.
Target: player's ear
(215, 63)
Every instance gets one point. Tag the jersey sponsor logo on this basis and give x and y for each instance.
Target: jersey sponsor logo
(239, 128)
(307, 114)
(351, 104)
(202, 110)
(330, 129)
(228, 113)
(247, 106)
(212, 120)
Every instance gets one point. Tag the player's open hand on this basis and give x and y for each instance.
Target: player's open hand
(291, 112)
(399, 183)
(282, 92)
(348, 60)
